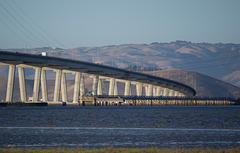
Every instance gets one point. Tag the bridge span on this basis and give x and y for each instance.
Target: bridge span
(153, 85)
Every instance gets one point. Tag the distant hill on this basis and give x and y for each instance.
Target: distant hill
(205, 86)
(218, 60)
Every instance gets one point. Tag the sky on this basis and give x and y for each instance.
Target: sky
(87, 23)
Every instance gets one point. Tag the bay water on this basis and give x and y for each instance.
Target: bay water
(128, 127)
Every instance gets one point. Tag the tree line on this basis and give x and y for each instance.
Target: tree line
(141, 68)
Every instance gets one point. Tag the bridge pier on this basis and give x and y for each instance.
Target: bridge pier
(139, 88)
(150, 90)
(176, 94)
(95, 84)
(64, 87)
(79, 86)
(171, 93)
(10, 83)
(57, 85)
(82, 87)
(36, 84)
(115, 88)
(44, 85)
(154, 91)
(146, 90)
(127, 91)
(99, 88)
(111, 87)
(76, 87)
(165, 92)
(158, 91)
(22, 84)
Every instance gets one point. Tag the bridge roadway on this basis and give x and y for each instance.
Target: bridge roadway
(154, 86)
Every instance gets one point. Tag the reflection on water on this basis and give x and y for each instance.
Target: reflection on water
(96, 127)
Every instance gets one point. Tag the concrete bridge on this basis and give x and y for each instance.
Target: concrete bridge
(154, 86)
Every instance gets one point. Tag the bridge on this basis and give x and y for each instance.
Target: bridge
(153, 86)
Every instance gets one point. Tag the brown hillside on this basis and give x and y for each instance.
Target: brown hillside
(216, 60)
(205, 86)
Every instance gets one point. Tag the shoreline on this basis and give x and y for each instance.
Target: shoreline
(44, 104)
(122, 150)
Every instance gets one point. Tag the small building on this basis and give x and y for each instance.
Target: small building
(44, 53)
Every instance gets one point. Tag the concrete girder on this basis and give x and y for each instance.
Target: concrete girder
(111, 75)
(77, 69)
(94, 72)
(10, 62)
(58, 66)
(34, 64)
(1, 63)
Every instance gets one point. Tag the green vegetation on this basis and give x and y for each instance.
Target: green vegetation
(119, 150)
(141, 68)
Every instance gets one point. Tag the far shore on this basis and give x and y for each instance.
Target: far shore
(120, 150)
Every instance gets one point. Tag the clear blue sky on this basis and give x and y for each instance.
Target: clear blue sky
(84, 23)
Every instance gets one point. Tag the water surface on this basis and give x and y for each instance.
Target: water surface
(96, 127)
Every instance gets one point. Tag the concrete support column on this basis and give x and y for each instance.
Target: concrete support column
(36, 83)
(162, 91)
(176, 94)
(99, 89)
(139, 87)
(44, 85)
(166, 92)
(82, 86)
(158, 91)
(116, 89)
(146, 90)
(95, 84)
(22, 84)
(10, 83)
(127, 91)
(111, 87)
(154, 91)
(171, 92)
(57, 85)
(150, 90)
(64, 87)
(76, 87)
